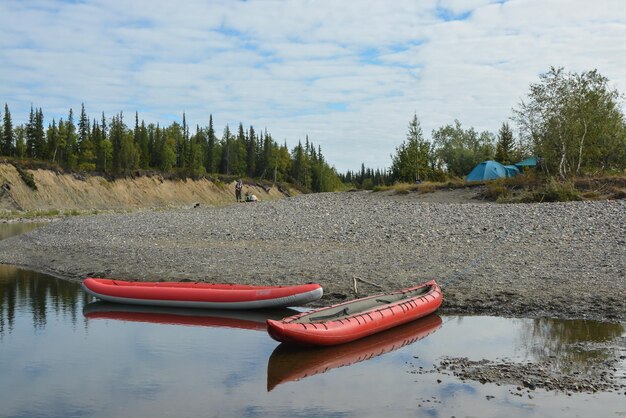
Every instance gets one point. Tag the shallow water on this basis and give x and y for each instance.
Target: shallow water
(63, 355)
(9, 229)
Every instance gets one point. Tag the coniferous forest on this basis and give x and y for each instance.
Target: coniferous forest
(573, 123)
(114, 147)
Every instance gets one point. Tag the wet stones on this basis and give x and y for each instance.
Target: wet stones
(548, 375)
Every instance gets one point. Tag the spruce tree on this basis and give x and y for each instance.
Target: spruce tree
(209, 161)
(181, 143)
(238, 156)
(96, 141)
(59, 151)
(297, 168)
(251, 152)
(116, 133)
(103, 127)
(71, 142)
(144, 146)
(504, 146)
(225, 161)
(83, 128)
(30, 134)
(40, 136)
(52, 141)
(86, 148)
(7, 133)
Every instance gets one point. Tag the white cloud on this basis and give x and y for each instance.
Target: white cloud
(349, 74)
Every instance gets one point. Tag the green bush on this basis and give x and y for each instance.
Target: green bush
(27, 177)
(496, 191)
(556, 191)
(368, 184)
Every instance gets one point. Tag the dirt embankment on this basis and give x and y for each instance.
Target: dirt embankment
(60, 191)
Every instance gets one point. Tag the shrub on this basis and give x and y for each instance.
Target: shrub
(427, 188)
(556, 191)
(496, 191)
(368, 184)
(27, 177)
(618, 193)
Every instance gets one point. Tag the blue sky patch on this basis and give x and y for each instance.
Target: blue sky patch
(448, 15)
(337, 107)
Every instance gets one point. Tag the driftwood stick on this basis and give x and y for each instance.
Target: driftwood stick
(368, 282)
(356, 292)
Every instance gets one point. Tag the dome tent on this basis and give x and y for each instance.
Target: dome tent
(512, 170)
(487, 170)
(528, 162)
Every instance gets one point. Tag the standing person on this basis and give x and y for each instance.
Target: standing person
(238, 188)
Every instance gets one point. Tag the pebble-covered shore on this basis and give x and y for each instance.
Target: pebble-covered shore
(560, 260)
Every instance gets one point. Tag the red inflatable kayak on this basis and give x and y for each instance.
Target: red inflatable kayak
(349, 321)
(288, 363)
(201, 295)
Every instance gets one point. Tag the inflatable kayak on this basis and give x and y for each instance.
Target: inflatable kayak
(214, 318)
(349, 321)
(201, 295)
(288, 363)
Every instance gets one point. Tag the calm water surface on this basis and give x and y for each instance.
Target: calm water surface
(8, 230)
(63, 355)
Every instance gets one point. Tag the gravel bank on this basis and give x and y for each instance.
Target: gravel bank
(560, 260)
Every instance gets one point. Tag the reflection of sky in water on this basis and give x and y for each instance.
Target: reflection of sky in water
(70, 366)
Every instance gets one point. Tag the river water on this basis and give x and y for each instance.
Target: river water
(64, 355)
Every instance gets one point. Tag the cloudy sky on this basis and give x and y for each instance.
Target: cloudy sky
(350, 74)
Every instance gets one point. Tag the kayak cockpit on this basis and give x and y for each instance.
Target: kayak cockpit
(345, 310)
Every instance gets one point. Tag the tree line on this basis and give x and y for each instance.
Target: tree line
(572, 123)
(452, 152)
(110, 146)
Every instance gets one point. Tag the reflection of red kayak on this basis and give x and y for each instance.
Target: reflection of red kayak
(358, 318)
(253, 320)
(201, 295)
(288, 363)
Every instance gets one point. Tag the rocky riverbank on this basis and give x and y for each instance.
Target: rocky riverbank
(560, 260)
(552, 260)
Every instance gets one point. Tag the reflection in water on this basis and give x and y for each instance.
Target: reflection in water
(553, 338)
(37, 294)
(17, 228)
(248, 319)
(288, 363)
(56, 362)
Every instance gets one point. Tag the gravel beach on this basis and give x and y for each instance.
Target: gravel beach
(557, 260)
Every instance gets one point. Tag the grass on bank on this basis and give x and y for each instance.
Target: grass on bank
(424, 187)
(49, 213)
(530, 187)
(527, 188)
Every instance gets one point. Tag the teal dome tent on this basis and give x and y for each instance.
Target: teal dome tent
(528, 162)
(511, 170)
(487, 170)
